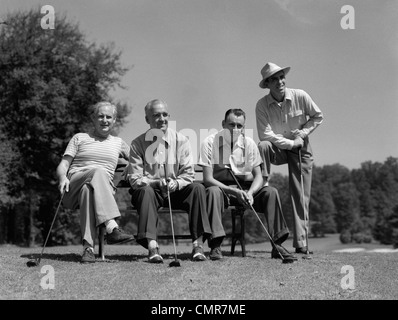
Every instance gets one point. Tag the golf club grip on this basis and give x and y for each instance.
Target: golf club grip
(52, 223)
(171, 214)
(236, 180)
(300, 165)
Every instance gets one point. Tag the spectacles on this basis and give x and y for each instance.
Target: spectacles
(159, 115)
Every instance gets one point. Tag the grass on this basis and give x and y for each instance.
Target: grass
(126, 275)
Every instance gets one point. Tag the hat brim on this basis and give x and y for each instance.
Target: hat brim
(262, 82)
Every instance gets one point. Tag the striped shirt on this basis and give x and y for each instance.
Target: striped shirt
(89, 151)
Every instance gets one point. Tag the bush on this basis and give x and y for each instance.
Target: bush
(317, 229)
(345, 237)
(358, 237)
(367, 237)
(395, 237)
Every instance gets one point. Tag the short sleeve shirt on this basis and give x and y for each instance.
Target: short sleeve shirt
(89, 151)
(216, 152)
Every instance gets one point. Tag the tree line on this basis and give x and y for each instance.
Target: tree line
(359, 204)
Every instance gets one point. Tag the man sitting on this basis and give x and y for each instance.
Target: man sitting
(152, 165)
(230, 148)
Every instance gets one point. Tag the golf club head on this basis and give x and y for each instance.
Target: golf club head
(288, 260)
(32, 263)
(307, 257)
(175, 263)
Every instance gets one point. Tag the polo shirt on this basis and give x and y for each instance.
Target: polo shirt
(89, 151)
(216, 152)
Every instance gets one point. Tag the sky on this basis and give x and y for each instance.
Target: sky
(204, 56)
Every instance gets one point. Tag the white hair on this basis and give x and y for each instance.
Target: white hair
(151, 103)
(98, 105)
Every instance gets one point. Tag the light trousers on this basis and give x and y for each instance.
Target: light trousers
(93, 193)
(273, 155)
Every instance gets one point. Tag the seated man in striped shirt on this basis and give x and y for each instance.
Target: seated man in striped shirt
(85, 174)
(158, 157)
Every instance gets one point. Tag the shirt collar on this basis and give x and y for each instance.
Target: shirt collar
(239, 143)
(167, 136)
(288, 96)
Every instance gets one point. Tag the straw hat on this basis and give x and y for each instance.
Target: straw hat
(270, 69)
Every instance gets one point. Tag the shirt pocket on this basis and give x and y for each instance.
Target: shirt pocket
(296, 119)
(295, 113)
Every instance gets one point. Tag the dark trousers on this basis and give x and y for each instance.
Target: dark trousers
(191, 198)
(266, 201)
(273, 155)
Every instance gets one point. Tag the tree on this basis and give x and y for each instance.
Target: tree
(385, 190)
(367, 203)
(334, 175)
(48, 80)
(322, 209)
(347, 206)
(393, 219)
(281, 183)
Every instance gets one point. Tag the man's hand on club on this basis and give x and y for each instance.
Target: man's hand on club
(163, 185)
(64, 185)
(250, 199)
(298, 134)
(244, 198)
(298, 143)
(173, 185)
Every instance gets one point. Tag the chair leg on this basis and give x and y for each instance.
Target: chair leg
(242, 232)
(233, 241)
(101, 245)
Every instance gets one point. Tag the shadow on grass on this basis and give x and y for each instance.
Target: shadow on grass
(69, 257)
(74, 257)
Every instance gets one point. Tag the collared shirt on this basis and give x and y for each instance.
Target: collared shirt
(276, 121)
(216, 152)
(89, 151)
(154, 154)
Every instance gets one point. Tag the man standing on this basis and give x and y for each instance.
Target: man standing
(231, 149)
(285, 118)
(158, 157)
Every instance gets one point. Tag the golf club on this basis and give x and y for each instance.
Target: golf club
(36, 262)
(307, 254)
(284, 260)
(174, 263)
